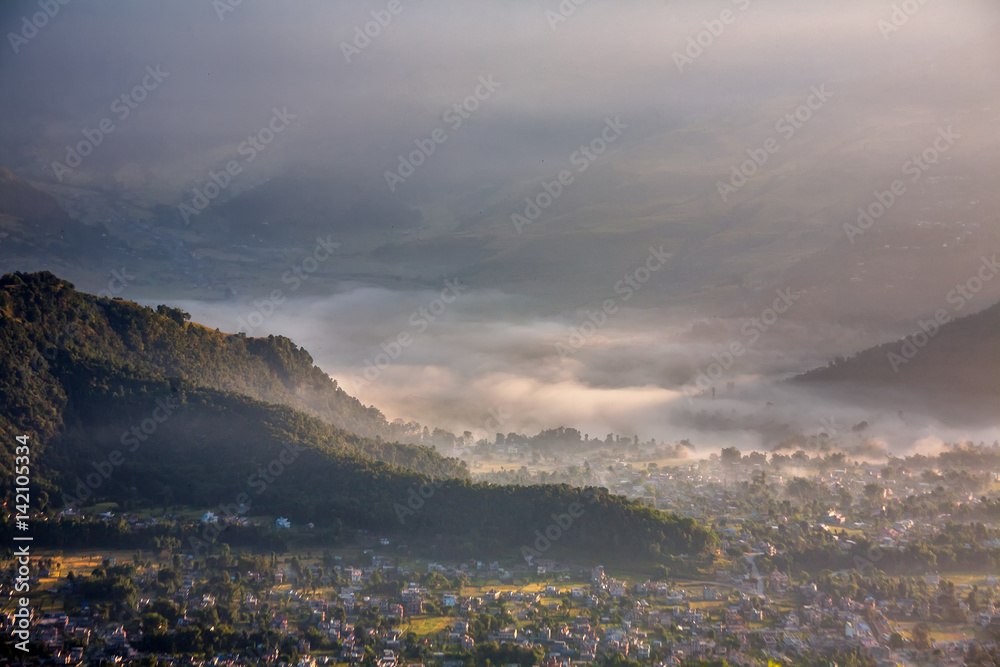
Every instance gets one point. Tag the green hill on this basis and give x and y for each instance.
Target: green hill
(120, 408)
(51, 319)
(50, 332)
(215, 446)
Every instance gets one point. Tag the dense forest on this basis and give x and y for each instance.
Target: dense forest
(44, 319)
(53, 335)
(138, 407)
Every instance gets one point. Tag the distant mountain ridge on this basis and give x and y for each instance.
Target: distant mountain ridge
(961, 358)
(18, 199)
(33, 220)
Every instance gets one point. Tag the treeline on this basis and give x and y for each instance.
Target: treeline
(958, 456)
(212, 450)
(954, 549)
(81, 533)
(573, 475)
(216, 449)
(571, 439)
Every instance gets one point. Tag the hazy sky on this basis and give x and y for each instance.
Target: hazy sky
(229, 69)
(200, 77)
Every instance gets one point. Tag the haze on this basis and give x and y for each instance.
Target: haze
(666, 125)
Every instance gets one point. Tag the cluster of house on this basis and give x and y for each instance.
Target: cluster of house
(748, 621)
(732, 618)
(65, 637)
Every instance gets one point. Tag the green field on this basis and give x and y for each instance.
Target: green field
(422, 626)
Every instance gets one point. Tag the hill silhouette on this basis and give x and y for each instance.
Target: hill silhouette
(955, 360)
(137, 406)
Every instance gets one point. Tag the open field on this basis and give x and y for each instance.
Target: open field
(939, 631)
(977, 579)
(423, 626)
(703, 605)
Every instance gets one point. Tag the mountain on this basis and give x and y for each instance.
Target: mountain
(33, 222)
(307, 203)
(213, 447)
(271, 369)
(956, 360)
(18, 199)
(47, 326)
(137, 406)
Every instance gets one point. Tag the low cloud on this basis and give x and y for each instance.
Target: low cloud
(631, 378)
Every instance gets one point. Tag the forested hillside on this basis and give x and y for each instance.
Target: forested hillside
(45, 322)
(123, 406)
(214, 446)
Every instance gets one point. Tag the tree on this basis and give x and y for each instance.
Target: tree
(972, 600)
(176, 314)
(435, 580)
(731, 456)
(801, 488)
(873, 492)
(921, 636)
(153, 623)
